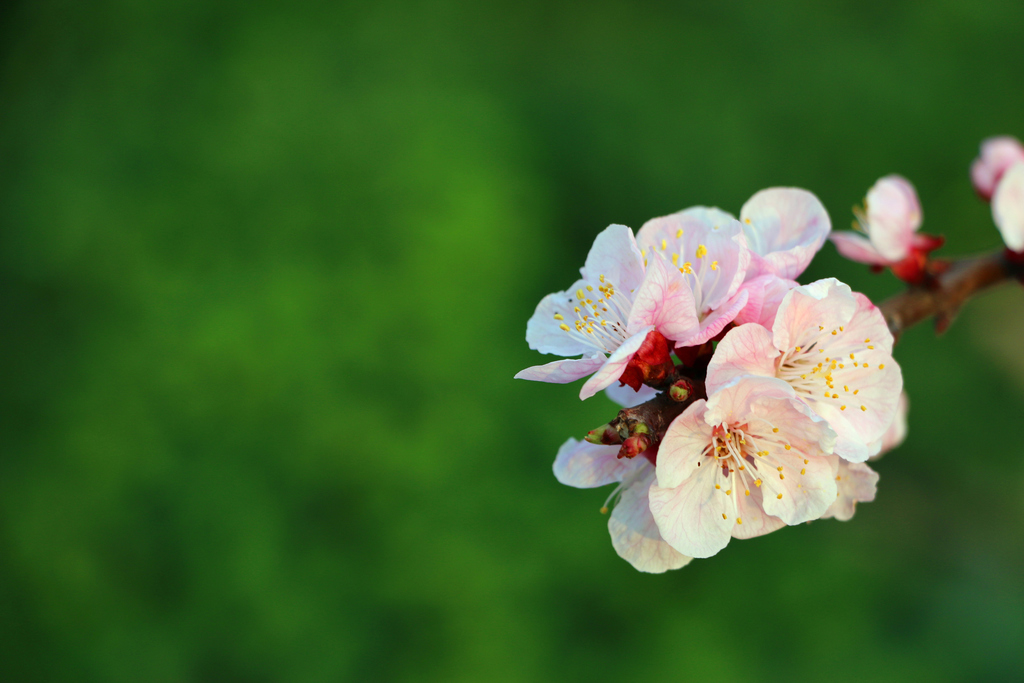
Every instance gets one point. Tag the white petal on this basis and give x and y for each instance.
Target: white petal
(1008, 207)
(562, 371)
(634, 532)
(616, 256)
(785, 226)
(585, 465)
(611, 369)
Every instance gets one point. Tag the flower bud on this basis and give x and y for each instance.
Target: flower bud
(604, 435)
(635, 445)
(681, 390)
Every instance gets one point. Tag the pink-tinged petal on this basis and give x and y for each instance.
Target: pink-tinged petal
(896, 434)
(769, 290)
(634, 532)
(626, 397)
(733, 403)
(855, 483)
(694, 516)
(751, 519)
(683, 445)
(785, 227)
(803, 490)
(872, 373)
(665, 301)
(714, 234)
(1008, 207)
(616, 256)
(612, 368)
(997, 155)
(893, 214)
(745, 350)
(586, 465)
(562, 371)
(716, 321)
(544, 332)
(857, 248)
(824, 304)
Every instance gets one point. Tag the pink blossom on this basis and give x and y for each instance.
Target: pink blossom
(608, 315)
(706, 246)
(747, 461)
(785, 227)
(765, 295)
(1008, 207)
(834, 349)
(998, 154)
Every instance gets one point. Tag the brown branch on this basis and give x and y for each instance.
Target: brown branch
(947, 291)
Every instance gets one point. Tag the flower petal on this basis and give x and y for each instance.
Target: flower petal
(826, 303)
(785, 227)
(693, 517)
(544, 332)
(855, 483)
(624, 395)
(683, 445)
(755, 521)
(716, 321)
(665, 301)
(806, 492)
(897, 431)
(585, 465)
(893, 214)
(857, 248)
(997, 155)
(563, 371)
(612, 368)
(745, 350)
(634, 532)
(1008, 207)
(616, 256)
(711, 241)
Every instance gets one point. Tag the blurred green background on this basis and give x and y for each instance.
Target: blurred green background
(265, 271)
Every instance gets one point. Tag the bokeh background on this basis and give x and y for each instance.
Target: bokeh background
(265, 270)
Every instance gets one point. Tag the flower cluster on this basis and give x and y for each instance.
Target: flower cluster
(776, 394)
(998, 176)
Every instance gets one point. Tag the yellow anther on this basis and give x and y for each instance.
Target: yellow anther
(601, 278)
(714, 265)
(757, 482)
(580, 295)
(782, 476)
(797, 349)
(803, 376)
(779, 496)
(559, 316)
(664, 244)
(841, 366)
(675, 259)
(604, 511)
(724, 516)
(576, 308)
(864, 408)
(842, 407)
(846, 388)
(833, 332)
(747, 492)
(728, 492)
(564, 327)
(870, 346)
(702, 251)
(679, 233)
(746, 220)
(739, 520)
(779, 468)
(866, 341)
(851, 356)
(787, 447)
(803, 471)
(835, 395)
(881, 366)
(856, 391)
(820, 328)
(717, 486)
(806, 461)
(775, 430)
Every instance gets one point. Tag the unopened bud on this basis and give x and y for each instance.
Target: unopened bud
(680, 391)
(634, 446)
(604, 434)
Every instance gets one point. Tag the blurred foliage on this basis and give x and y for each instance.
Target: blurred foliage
(265, 273)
